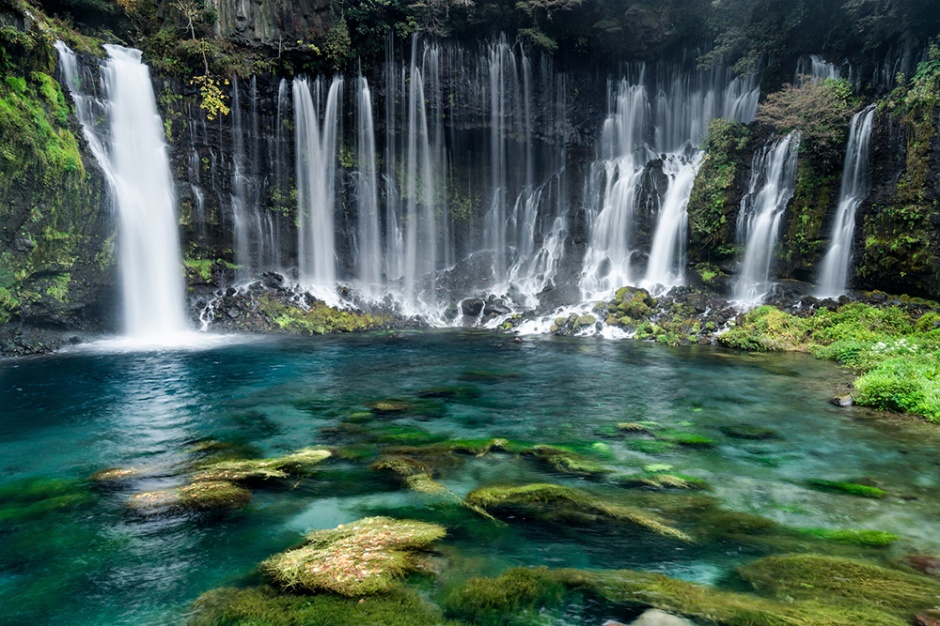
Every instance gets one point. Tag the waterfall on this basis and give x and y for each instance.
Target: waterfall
(369, 240)
(815, 68)
(316, 161)
(833, 275)
(136, 166)
(772, 184)
(667, 255)
(420, 236)
(653, 127)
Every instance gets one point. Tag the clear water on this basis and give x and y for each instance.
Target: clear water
(70, 415)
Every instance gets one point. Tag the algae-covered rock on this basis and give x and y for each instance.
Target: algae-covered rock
(199, 495)
(816, 577)
(749, 431)
(567, 462)
(497, 600)
(549, 501)
(299, 463)
(484, 600)
(658, 480)
(846, 488)
(266, 606)
(26, 499)
(360, 558)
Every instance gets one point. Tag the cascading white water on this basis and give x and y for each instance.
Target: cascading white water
(639, 130)
(833, 275)
(369, 244)
(316, 160)
(815, 68)
(667, 255)
(773, 182)
(137, 168)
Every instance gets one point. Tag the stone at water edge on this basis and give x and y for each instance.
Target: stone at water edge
(842, 401)
(928, 618)
(926, 564)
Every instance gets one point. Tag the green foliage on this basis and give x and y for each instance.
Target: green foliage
(766, 328)
(820, 110)
(337, 48)
(897, 355)
(318, 319)
(900, 240)
(712, 204)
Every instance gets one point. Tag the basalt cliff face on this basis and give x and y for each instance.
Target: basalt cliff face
(465, 165)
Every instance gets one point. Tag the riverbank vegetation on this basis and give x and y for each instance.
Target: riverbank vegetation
(895, 350)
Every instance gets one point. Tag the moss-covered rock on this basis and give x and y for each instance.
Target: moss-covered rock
(504, 599)
(566, 461)
(355, 559)
(714, 201)
(300, 463)
(549, 502)
(867, 538)
(831, 579)
(27, 499)
(659, 481)
(200, 495)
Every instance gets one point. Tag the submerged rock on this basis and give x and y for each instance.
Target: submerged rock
(842, 401)
(299, 463)
(199, 495)
(655, 617)
(553, 501)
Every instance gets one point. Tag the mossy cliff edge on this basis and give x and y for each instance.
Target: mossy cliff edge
(56, 234)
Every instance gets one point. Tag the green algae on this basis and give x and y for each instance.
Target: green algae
(659, 480)
(31, 498)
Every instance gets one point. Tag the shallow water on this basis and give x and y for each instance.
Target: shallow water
(85, 559)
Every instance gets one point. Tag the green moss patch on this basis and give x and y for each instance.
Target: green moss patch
(815, 577)
(199, 495)
(360, 558)
(266, 606)
(845, 488)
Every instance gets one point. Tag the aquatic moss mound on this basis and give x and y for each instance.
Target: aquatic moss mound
(812, 576)
(360, 558)
(494, 600)
(26, 499)
(545, 500)
(566, 461)
(265, 606)
(299, 463)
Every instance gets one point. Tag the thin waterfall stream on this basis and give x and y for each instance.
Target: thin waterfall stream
(833, 275)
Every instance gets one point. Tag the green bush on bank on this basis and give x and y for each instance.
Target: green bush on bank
(895, 352)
